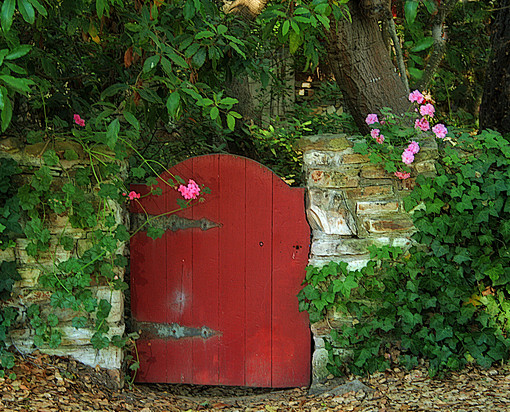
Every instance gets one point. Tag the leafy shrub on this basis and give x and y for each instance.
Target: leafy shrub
(446, 299)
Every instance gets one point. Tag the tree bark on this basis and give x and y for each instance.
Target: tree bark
(495, 107)
(362, 66)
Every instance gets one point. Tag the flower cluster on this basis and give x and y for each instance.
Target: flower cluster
(427, 112)
(392, 126)
(132, 195)
(78, 120)
(191, 191)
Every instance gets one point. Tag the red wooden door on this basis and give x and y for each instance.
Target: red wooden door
(219, 306)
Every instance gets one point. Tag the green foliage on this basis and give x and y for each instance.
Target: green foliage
(9, 227)
(446, 299)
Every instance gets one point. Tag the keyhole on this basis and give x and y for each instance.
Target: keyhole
(261, 244)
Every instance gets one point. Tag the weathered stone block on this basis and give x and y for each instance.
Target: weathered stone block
(314, 159)
(354, 158)
(374, 172)
(339, 246)
(328, 212)
(332, 179)
(382, 225)
(337, 142)
(377, 207)
(375, 192)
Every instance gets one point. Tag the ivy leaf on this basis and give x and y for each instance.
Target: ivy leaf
(79, 322)
(155, 232)
(107, 190)
(121, 233)
(51, 158)
(138, 172)
(99, 341)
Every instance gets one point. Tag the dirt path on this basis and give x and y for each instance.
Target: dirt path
(47, 384)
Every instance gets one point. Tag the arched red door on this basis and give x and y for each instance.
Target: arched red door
(215, 297)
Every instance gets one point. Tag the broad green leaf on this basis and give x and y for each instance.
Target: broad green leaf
(295, 40)
(172, 103)
(39, 7)
(229, 101)
(285, 27)
(411, 10)
(6, 112)
(423, 44)
(100, 6)
(204, 34)
(18, 52)
(20, 85)
(214, 113)
(27, 11)
(112, 133)
(151, 63)
(416, 73)
(231, 121)
(177, 59)
(3, 96)
(7, 14)
(113, 90)
(199, 57)
(131, 119)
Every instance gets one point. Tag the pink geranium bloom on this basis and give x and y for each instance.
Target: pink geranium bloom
(440, 130)
(371, 119)
(379, 138)
(417, 97)
(427, 110)
(132, 195)
(422, 124)
(189, 192)
(78, 120)
(403, 175)
(407, 157)
(413, 147)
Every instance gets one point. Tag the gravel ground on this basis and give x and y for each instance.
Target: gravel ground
(45, 384)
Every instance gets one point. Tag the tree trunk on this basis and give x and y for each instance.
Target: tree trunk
(495, 107)
(362, 66)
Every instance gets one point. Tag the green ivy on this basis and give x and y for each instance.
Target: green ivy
(445, 299)
(9, 227)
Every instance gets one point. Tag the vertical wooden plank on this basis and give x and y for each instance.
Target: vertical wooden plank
(233, 265)
(179, 272)
(291, 333)
(148, 288)
(259, 199)
(206, 273)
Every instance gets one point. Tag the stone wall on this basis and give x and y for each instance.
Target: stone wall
(352, 204)
(75, 342)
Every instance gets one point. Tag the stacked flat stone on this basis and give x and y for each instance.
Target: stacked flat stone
(75, 342)
(351, 205)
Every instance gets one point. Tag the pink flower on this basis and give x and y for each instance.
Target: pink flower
(132, 195)
(379, 138)
(440, 130)
(422, 124)
(407, 157)
(417, 97)
(413, 147)
(189, 192)
(402, 175)
(427, 110)
(78, 120)
(371, 119)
